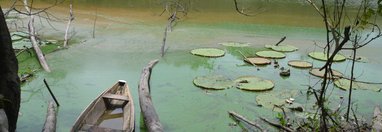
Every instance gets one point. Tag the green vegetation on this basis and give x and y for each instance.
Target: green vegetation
(28, 62)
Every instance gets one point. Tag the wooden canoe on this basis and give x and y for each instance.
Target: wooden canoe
(113, 106)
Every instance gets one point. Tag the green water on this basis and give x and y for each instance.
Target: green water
(126, 41)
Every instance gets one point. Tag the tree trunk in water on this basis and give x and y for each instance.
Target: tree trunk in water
(71, 18)
(50, 121)
(32, 34)
(149, 114)
(9, 80)
(377, 120)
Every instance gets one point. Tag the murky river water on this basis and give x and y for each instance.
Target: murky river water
(129, 34)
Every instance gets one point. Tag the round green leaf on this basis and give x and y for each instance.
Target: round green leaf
(271, 54)
(208, 52)
(257, 61)
(214, 82)
(234, 44)
(323, 56)
(300, 64)
(253, 83)
(269, 100)
(316, 72)
(345, 85)
(284, 48)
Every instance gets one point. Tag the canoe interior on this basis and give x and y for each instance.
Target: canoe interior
(113, 110)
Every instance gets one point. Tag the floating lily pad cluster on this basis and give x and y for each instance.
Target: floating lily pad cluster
(219, 82)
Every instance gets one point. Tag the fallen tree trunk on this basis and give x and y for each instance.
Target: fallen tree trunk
(242, 118)
(149, 114)
(32, 34)
(50, 122)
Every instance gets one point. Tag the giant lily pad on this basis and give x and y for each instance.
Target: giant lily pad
(208, 52)
(316, 72)
(234, 44)
(214, 82)
(258, 61)
(300, 64)
(271, 54)
(253, 83)
(269, 100)
(323, 56)
(283, 48)
(345, 85)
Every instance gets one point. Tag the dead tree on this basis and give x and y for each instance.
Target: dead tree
(9, 80)
(71, 18)
(172, 7)
(361, 31)
(149, 114)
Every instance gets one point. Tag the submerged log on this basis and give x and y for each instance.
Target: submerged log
(377, 120)
(50, 122)
(149, 114)
(242, 118)
(277, 125)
